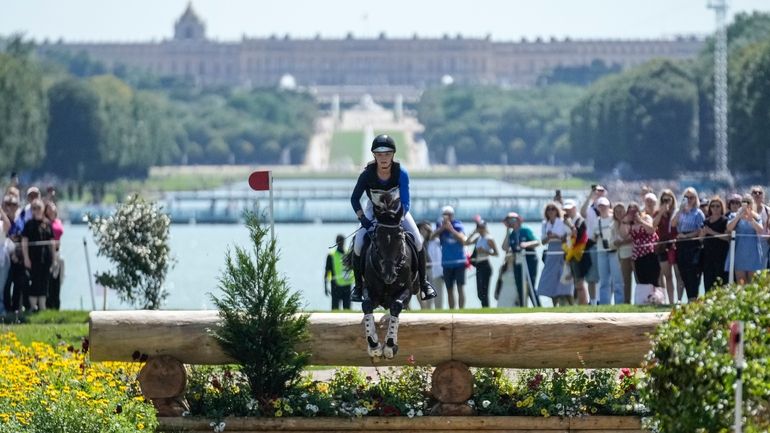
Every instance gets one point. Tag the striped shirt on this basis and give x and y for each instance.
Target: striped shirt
(689, 221)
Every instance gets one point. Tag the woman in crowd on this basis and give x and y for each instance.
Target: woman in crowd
(715, 244)
(39, 254)
(748, 249)
(53, 300)
(624, 245)
(610, 278)
(5, 259)
(733, 205)
(666, 249)
(554, 233)
(433, 264)
(638, 225)
(689, 221)
(484, 248)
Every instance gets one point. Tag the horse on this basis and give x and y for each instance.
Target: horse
(390, 272)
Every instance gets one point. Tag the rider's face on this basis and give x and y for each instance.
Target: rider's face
(384, 159)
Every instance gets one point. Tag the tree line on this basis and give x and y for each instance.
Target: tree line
(65, 115)
(649, 121)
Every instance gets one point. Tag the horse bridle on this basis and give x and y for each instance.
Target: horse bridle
(376, 250)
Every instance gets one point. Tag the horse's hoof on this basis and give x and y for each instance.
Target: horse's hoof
(390, 350)
(375, 352)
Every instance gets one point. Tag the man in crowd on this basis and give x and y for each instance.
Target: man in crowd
(590, 212)
(451, 234)
(580, 264)
(335, 273)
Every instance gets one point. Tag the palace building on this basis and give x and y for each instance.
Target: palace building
(352, 66)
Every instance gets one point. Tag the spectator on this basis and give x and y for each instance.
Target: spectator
(554, 234)
(341, 279)
(53, 301)
(638, 225)
(590, 212)
(610, 278)
(715, 245)
(666, 249)
(704, 204)
(17, 283)
(435, 271)
(733, 205)
(625, 249)
(484, 247)
(579, 259)
(5, 260)
(758, 193)
(33, 193)
(39, 254)
(747, 225)
(689, 222)
(451, 234)
(520, 239)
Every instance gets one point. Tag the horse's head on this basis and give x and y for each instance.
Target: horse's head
(387, 206)
(389, 251)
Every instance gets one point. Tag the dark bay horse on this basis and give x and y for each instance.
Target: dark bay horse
(390, 272)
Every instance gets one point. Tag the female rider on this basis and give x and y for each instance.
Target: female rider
(380, 176)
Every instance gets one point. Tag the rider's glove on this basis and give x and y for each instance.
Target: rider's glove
(365, 222)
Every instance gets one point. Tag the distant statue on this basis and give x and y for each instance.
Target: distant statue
(367, 104)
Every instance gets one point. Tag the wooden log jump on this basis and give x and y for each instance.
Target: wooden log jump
(526, 340)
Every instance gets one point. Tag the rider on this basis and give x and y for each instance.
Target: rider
(381, 176)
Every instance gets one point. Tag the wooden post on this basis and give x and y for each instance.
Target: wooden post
(452, 386)
(163, 380)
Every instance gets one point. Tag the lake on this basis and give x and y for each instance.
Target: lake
(199, 251)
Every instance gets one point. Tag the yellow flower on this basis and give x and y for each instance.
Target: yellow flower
(278, 413)
(140, 426)
(544, 412)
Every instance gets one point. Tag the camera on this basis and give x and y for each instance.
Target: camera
(605, 244)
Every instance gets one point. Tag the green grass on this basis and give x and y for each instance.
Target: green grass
(347, 147)
(70, 334)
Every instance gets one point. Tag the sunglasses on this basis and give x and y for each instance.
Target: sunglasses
(714, 205)
(756, 193)
(689, 197)
(746, 202)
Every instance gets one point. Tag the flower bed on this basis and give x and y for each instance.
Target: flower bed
(594, 424)
(45, 388)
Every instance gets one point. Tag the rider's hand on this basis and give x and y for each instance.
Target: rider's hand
(365, 222)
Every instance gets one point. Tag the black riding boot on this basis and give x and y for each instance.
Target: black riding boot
(426, 289)
(357, 294)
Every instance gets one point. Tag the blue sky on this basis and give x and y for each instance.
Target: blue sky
(139, 20)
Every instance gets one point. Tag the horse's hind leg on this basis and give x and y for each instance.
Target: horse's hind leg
(391, 338)
(373, 345)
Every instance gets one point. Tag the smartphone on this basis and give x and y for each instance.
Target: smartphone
(593, 187)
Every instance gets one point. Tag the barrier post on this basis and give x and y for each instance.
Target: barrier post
(731, 275)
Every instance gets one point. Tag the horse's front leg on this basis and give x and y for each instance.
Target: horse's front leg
(391, 338)
(373, 345)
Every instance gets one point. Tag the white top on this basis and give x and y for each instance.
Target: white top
(624, 251)
(558, 228)
(592, 219)
(605, 233)
(482, 242)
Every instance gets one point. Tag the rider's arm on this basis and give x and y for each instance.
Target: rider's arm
(403, 189)
(358, 192)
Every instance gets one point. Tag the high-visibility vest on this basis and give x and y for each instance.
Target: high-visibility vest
(340, 275)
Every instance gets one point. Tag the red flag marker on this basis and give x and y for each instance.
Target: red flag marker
(260, 181)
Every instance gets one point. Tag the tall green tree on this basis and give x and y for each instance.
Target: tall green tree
(637, 118)
(23, 110)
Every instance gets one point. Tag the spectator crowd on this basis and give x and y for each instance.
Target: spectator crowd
(661, 248)
(31, 269)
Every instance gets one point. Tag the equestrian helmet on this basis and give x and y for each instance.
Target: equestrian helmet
(383, 143)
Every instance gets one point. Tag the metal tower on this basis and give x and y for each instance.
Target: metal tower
(720, 88)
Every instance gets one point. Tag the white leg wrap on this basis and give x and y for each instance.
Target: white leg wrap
(370, 332)
(391, 339)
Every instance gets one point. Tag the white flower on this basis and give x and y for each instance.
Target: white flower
(419, 413)
(471, 403)
(485, 404)
(410, 414)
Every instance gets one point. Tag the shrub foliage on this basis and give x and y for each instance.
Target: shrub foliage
(261, 320)
(690, 373)
(136, 240)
